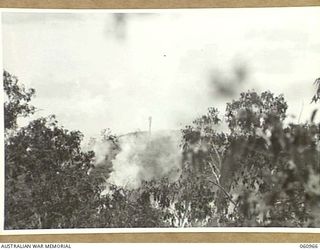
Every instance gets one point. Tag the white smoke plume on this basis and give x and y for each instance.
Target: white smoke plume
(141, 157)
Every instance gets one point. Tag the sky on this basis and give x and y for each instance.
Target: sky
(97, 70)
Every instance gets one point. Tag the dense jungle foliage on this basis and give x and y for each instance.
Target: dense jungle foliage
(260, 172)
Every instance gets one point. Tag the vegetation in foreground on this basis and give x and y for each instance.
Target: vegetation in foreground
(262, 172)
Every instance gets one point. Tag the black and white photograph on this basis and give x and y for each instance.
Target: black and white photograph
(161, 119)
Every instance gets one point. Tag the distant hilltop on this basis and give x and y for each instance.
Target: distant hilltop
(157, 133)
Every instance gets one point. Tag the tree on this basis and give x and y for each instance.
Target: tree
(250, 164)
(316, 97)
(252, 111)
(46, 174)
(17, 102)
(255, 123)
(127, 208)
(47, 181)
(189, 200)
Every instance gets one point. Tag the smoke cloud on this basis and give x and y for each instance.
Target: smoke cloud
(140, 156)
